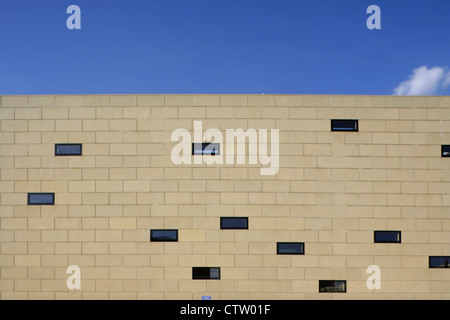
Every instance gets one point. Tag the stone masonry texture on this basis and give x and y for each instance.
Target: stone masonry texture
(332, 191)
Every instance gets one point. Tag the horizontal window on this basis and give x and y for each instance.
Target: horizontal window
(68, 150)
(440, 262)
(164, 235)
(388, 236)
(39, 199)
(290, 248)
(344, 125)
(332, 286)
(212, 149)
(233, 223)
(205, 273)
(446, 151)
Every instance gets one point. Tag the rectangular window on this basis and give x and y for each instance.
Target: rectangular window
(68, 150)
(163, 235)
(212, 149)
(440, 262)
(445, 151)
(344, 125)
(205, 273)
(388, 237)
(41, 199)
(332, 286)
(290, 248)
(234, 223)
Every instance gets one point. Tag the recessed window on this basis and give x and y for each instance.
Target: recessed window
(41, 199)
(344, 125)
(234, 223)
(445, 151)
(290, 248)
(388, 237)
(440, 262)
(164, 235)
(332, 286)
(68, 150)
(211, 149)
(205, 273)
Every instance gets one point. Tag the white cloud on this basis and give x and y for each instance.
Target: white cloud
(447, 81)
(424, 81)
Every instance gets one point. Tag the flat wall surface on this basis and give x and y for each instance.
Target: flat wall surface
(331, 192)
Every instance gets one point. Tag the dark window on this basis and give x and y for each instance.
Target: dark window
(344, 125)
(333, 286)
(68, 150)
(288, 248)
(440, 262)
(234, 223)
(205, 273)
(446, 151)
(212, 149)
(388, 237)
(164, 235)
(40, 199)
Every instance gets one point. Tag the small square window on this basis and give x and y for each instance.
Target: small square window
(332, 286)
(164, 235)
(445, 151)
(41, 199)
(68, 150)
(205, 273)
(234, 223)
(440, 262)
(388, 237)
(212, 149)
(290, 248)
(345, 125)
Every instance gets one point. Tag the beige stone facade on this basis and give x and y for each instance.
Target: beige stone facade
(332, 191)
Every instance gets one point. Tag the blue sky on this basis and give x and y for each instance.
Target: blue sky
(225, 46)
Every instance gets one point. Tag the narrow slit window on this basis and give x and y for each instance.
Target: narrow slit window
(332, 286)
(446, 151)
(164, 235)
(440, 262)
(68, 150)
(345, 125)
(234, 223)
(211, 149)
(388, 237)
(290, 248)
(41, 199)
(205, 273)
